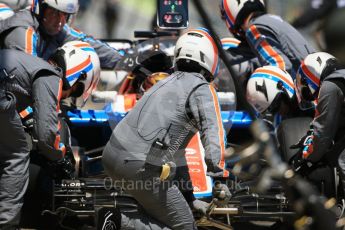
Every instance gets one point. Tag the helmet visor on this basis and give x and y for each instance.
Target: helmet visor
(301, 89)
(281, 97)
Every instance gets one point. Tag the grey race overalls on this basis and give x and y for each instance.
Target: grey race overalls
(277, 43)
(173, 110)
(37, 84)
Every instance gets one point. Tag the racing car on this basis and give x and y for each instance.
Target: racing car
(88, 200)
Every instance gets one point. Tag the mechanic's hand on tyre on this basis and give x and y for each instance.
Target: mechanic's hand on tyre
(221, 194)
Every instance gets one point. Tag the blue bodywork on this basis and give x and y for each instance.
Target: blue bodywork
(231, 119)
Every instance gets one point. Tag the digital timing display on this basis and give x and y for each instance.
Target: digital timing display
(172, 14)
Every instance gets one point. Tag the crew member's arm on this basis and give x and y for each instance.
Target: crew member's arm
(46, 93)
(23, 39)
(108, 56)
(18, 4)
(325, 123)
(206, 111)
(267, 48)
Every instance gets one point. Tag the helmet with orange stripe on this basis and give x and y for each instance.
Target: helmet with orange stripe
(81, 68)
(196, 51)
(5, 11)
(234, 12)
(268, 87)
(230, 42)
(313, 70)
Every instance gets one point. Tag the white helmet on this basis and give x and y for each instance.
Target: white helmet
(230, 42)
(81, 64)
(199, 46)
(311, 73)
(66, 6)
(5, 11)
(267, 87)
(236, 11)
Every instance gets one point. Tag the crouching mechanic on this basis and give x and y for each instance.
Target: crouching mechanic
(320, 79)
(147, 143)
(30, 81)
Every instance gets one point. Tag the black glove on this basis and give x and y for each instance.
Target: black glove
(27, 119)
(221, 194)
(214, 171)
(301, 166)
(28, 124)
(215, 174)
(199, 206)
(61, 169)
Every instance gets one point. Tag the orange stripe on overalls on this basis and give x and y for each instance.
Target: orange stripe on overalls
(59, 96)
(24, 114)
(58, 137)
(279, 60)
(28, 41)
(57, 141)
(255, 32)
(268, 48)
(220, 130)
